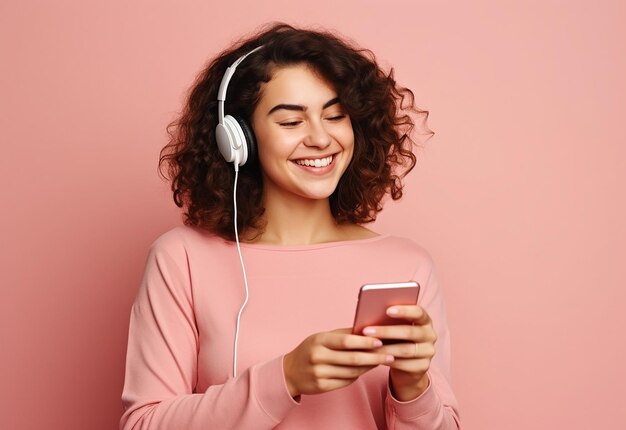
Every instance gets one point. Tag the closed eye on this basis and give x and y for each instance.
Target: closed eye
(290, 123)
(336, 118)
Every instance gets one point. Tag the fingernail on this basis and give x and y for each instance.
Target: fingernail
(392, 311)
(377, 343)
(369, 331)
(390, 359)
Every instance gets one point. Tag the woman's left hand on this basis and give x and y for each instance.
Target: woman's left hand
(407, 376)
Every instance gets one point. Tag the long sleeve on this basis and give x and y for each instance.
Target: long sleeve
(182, 328)
(162, 363)
(436, 408)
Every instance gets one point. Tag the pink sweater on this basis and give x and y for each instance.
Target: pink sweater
(182, 327)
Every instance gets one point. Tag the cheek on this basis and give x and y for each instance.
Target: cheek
(349, 150)
(272, 149)
(347, 136)
(275, 145)
(265, 141)
(348, 141)
(273, 153)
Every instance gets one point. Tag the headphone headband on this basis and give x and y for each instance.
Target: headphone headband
(234, 136)
(230, 71)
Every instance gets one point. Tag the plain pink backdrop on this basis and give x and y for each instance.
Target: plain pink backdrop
(519, 197)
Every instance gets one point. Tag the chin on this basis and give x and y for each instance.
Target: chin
(316, 194)
(318, 189)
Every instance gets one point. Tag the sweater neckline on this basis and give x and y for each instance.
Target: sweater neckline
(312, 246)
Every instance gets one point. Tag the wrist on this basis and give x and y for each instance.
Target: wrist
(407, 389)
(293, 391)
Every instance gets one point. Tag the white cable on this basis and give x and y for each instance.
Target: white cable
(243, 268)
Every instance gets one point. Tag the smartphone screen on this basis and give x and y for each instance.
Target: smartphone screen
(374, 299)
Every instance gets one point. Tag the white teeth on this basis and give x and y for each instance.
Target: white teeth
(317, 162)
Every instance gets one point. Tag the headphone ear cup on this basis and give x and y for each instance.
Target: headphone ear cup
(231, 141)
(250, 139)
(225, 136)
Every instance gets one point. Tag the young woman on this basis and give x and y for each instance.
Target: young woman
(332, 139)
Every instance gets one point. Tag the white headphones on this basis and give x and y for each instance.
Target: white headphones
(235, 138)
(237, 144)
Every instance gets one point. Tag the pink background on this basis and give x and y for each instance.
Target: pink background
(519, 197)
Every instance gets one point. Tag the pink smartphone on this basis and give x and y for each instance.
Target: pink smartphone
(374, 299)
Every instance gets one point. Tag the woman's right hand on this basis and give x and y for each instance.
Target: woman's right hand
(330, 360)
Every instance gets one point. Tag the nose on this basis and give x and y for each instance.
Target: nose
(318, 135)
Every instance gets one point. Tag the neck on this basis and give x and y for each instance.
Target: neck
(296, 220)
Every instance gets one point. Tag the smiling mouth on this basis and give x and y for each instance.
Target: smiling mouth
(315, 162)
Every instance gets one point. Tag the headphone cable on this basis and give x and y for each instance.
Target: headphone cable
(243, 268)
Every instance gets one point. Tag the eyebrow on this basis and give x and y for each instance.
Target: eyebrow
(301, 108)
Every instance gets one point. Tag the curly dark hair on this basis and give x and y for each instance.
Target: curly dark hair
(380, 111)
